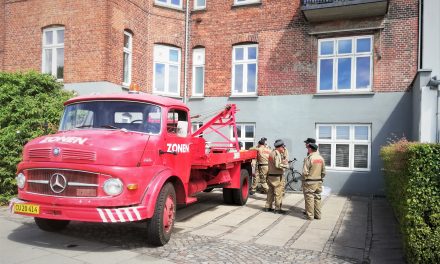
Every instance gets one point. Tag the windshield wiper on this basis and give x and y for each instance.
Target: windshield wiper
(110, 126)
(83, 126)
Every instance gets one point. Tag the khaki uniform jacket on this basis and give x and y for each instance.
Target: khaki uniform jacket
(314, 167)
(263, 155)
(276, 165)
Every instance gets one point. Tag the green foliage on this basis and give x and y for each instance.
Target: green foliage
(30, 106)
(412, 178)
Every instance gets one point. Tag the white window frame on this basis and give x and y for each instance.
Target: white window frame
(244, 62)
(168, 3)
(163, 60)
(243, 139)
(351, 142)
(199, 7)
(246, 2)
(198, 61)
(127, 50)
(353, 55)
(53, 47)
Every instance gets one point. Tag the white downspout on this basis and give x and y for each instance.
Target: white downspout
(185, 88)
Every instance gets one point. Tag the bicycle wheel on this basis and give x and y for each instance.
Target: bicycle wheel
(294, 181)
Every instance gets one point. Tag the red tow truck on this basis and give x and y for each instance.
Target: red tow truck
(129, 157)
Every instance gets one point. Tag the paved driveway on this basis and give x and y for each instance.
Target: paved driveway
(353, 230)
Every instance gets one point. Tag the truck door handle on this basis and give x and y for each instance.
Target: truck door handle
(167, 152)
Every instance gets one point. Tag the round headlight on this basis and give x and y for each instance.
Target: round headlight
(21, 180)
(113, 186)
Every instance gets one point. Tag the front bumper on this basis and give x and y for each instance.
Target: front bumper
(84, 214)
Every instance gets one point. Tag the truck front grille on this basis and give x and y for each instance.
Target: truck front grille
(62, 182)
(40, 153)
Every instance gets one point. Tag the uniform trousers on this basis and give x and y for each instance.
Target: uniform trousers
(260, 178)
(275, 192)
(312, 196)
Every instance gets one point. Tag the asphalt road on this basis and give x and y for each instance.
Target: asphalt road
(352, 230)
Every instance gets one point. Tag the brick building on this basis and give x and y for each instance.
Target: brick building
(339, 71)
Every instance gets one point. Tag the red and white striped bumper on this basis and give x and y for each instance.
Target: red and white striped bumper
(84, 214)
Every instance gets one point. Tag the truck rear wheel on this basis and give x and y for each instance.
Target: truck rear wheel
(160, 226)
(241, 195)
(51, 225)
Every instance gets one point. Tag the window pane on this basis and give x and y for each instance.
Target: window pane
(363, 45)
(363, 72)
(239, 53)
(199, 80)
(252, 53)
(49, 37)
(344, 73)
(326, 152)
(361, 156)
(200, 3)
(239, 131)
(174, 79)
(344, 46)
(60, 63)
(175, 2)
(251, 77)
(325, 132)
(126, 57)
(342, 155)
(327, 47)
(126, 41)
(238, 82)
(361, 132)
(159, 74)
(343, 132)
(60, 36)
(47, 61)
(248, 145)
(174, 55)
(326, 74)
(162, 1)
(249, 130)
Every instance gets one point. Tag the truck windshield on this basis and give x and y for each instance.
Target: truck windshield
(133, 116)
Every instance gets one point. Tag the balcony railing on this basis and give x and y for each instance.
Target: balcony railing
(327, 10)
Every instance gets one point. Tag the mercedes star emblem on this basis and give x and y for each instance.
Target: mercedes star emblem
(56, 151)
(57, 183)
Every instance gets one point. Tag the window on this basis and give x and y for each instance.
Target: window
(127, 58)
(244, 70)
(245, 2)
(53, 52)
(177, 123)
(345, 64)
(170, 3)
(345, 146)
(198, 71)
(195, 126)
(245, 134)
(166, 70)
(199, 4)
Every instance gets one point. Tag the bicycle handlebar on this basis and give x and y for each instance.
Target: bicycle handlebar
(294, 159)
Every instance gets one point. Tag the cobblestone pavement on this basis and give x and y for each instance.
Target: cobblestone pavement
(210, 232)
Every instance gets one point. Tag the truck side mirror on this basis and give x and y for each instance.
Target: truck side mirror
(182, 128)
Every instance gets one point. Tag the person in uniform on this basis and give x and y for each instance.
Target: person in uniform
(274, 178)
(261, 167)
(313, 175)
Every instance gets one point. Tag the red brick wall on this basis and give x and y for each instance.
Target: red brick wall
(2, 32)
(288, 53)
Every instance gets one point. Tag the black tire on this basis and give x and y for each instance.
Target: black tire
(208, 190)
(158, 230)
(294, 181)
(241, 195)
(227, 196)
(51, 225)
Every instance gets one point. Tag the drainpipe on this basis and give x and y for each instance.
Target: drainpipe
(185, 88)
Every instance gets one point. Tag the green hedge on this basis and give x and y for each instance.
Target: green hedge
(30, 106)
(412, 178)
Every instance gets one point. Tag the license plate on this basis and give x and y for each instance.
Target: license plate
(26, 208)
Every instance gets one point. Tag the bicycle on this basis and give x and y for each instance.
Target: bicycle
(293, 177)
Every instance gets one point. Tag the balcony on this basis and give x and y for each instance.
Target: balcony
(327, 10)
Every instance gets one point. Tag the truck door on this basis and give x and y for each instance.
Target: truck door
(177, 139)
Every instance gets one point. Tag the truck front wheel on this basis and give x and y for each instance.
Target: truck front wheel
(51, 225)
(160, 226)
(241, 195)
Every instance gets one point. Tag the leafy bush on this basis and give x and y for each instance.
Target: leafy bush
(412, 178)
(30, 106)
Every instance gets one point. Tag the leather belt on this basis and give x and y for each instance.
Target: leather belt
(279, 175)
(312, 180)
(261, 165)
